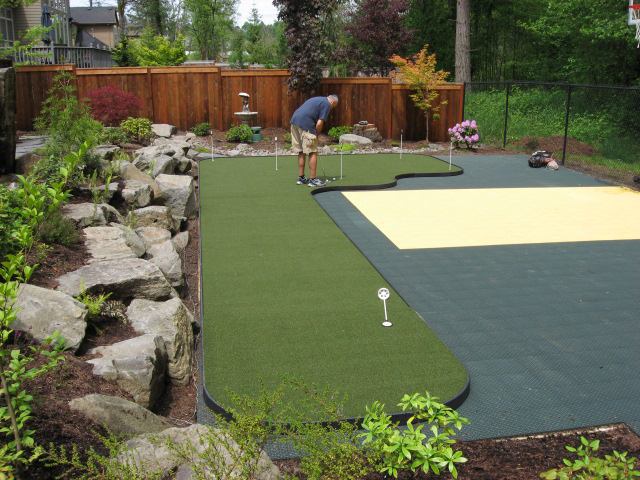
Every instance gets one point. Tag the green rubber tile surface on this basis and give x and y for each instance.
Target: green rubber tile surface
(549, 333)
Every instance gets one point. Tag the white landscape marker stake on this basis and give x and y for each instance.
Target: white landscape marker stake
(383, 294)
(341, 160)
(450, 150)
(400, 144)
(276, 142)
(211, 131)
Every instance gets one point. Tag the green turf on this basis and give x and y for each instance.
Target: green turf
(286, 292)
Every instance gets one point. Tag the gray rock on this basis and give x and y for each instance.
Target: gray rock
(163, 129)
(153, 235)
(170, 320)
(84, 214)
(179, 194)
(128, 278)
(128, 171)
(165, 257)
(180, 241)
(121, 416)
(163, 164)
(42, 312)
(184, 164)
(131, 238)
(137, 193)
(105, 152)
(136, 365)
(355, 139)
(154, 216)
(108, 243)
(150, 451)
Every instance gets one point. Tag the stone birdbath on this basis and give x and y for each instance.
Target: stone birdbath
(247, 115)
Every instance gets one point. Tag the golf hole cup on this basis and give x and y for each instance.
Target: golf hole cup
(383, 294)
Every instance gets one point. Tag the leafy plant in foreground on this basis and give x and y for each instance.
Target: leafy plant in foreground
(466, 132)
(590, 467)
(410, 447)
(36, 200)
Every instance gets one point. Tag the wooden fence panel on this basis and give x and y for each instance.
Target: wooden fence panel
(32, 85)
(187, 96)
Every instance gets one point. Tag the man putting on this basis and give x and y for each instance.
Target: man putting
(306, 123)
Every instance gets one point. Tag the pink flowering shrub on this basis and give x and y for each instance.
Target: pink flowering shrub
(465, 132)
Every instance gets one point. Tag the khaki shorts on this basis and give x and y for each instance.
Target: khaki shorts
(303, 141)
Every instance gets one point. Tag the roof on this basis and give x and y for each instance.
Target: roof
(94, 15)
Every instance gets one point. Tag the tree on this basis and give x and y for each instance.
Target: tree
(210, 26)
(433, 23)
(463, 41)
(155, 50)
(305, 41)
(421, 75)
(379, 29)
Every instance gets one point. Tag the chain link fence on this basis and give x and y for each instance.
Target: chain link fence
(594, 123)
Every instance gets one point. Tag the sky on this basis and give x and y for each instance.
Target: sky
(266, 10)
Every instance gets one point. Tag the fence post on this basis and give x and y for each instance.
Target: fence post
(506, 117)
(566, 124)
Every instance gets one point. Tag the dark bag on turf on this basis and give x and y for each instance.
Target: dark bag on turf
(540, 158)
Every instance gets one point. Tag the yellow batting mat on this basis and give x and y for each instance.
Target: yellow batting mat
(501, 216)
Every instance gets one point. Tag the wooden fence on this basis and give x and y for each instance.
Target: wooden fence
(186, 96)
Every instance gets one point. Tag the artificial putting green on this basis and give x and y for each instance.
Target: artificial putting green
(286, 292)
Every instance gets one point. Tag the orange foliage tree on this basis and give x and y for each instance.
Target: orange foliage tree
(421, 75)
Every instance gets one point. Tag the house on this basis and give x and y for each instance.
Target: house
(95, 26)
(15, 21)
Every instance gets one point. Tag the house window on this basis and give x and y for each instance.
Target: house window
(6, 26)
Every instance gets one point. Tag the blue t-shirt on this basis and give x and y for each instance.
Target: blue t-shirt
(308, 114)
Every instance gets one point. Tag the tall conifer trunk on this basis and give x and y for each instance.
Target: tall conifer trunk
(463, 41)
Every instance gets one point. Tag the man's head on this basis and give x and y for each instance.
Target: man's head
(333, 100)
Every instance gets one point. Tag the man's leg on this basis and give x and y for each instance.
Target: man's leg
(313, 160)
(301, 160)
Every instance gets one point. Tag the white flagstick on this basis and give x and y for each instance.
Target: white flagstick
(211, 131)
(340, 160)
(400, 144)
(450, 150)
(276, 141)
(383, 294)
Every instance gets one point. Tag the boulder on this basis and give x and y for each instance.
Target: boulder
(153, 235)
(183, 163)
(154, 216)
(121, 416)
(91, 214)
(137, 193)
(355, 140)
(163, 129)
(165, 257)
(41, 312)
(128, 278)
(131, 238)
(128, 171)
(169, 319)
(151, 453)
(179, 194)
(180, 241)
(136, 365)
(108, 243)
(105, 152)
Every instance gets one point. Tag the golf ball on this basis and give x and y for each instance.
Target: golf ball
(334, 178)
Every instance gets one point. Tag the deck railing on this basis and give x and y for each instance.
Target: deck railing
(82, 57)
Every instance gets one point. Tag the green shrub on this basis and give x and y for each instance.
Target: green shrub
(287, 137)
(588, 466)
(241, 134)
(66, 122)
(202, 129)
(409, 448)
(56, 229)
(112, 136)
(335, 132)
(137, 130)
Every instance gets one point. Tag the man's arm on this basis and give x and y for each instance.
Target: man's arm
(319, 125)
